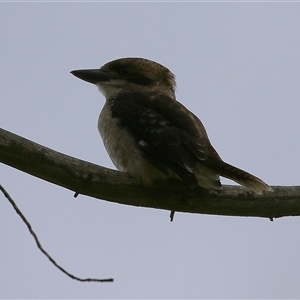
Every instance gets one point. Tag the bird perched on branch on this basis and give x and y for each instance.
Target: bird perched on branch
(152, 136)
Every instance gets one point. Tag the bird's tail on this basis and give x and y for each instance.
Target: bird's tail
(240, 176)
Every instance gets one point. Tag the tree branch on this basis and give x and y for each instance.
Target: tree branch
(41, 248)
(102, 183)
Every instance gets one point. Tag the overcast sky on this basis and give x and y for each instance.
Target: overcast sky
(237, 67)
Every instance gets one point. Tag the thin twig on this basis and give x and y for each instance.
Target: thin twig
(42, 249)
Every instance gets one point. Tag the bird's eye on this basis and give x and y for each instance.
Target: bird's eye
(125, 71)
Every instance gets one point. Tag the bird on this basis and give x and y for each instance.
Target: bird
(152, 136)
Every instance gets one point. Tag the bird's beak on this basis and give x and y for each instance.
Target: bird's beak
(93, 75)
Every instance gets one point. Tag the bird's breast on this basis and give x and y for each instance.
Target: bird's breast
(123, 149)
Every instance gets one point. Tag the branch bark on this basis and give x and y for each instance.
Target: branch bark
(92, 180)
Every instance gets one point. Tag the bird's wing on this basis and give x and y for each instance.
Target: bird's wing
(167, 134)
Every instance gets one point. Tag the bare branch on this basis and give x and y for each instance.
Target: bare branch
(89, 179)
(40, 247)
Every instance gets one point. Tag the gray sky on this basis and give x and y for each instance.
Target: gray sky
(237, 67)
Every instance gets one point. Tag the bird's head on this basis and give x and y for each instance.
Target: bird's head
(131, 74)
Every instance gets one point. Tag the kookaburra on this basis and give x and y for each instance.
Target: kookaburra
(152, 136)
